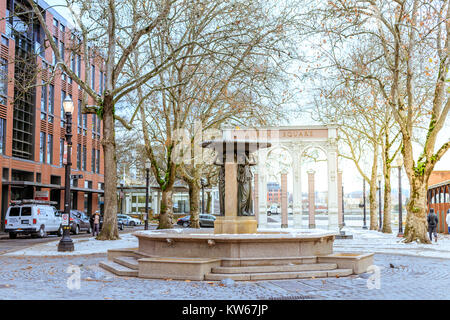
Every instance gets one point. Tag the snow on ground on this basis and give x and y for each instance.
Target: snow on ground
(377, 242)
(364, 241)
(367, 241)
(82, 246)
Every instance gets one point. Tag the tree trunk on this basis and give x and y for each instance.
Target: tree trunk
(109, 228)
(416, 218)
(166, 213)
(194, 197)
(387, 201)
(373, 206)
(208, 202)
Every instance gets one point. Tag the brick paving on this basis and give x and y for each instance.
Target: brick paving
(402, 277)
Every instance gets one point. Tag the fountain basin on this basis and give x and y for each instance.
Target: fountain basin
(199, 254)
(206, 244)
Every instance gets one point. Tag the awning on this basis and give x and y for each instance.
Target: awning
(31, 183)
(85, 190)
(49, 186)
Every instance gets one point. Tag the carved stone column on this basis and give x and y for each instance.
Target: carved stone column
(333, 223)
(284, 200)
(256, 195)
(311, 200)
(297, 192)
(262, 189)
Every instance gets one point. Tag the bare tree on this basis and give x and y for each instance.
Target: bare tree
(408, 62)
(106, 27)
(234, 53)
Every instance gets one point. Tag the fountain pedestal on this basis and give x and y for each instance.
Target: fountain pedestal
(231, 222)
(235, 189)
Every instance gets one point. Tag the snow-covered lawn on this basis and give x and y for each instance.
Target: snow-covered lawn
(377, 242)
(82, 246)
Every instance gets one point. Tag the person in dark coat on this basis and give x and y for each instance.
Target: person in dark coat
(432, 220)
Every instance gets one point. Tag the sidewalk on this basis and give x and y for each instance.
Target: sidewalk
(83, 246)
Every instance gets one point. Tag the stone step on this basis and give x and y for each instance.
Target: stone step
(276, 268)
(279, 275)
(128, 262)
(273, 261)
(118, 269)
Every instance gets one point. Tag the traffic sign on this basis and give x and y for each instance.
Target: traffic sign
(65, 219)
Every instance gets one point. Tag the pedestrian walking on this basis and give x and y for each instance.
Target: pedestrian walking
(447, 219)
(432, 220)
(91, 221)
(96, 223)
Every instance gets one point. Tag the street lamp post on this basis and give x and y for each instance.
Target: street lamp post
(343, 219)
(379, 203)
(147, 182)
(66, 243)
(364, 203)
(121, 196)
(203, 183)
(400, 218)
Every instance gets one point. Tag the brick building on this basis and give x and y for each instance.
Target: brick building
(438, 196)
(32, 121)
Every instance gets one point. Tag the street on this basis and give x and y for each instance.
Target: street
(25, 241)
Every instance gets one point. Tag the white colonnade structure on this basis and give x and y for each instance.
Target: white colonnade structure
(289, 144)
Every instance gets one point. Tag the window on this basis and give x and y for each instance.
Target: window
(42, 148)
(50, 149)
(55, 22)
(84, 124)
(2, 135)
(61, 151)
(84, 158)
(101, 83)
(61, 49)
(79, 156)
(93, 77)
(73, 62)
(5, 41)
(63, 96)
(3, 81)
(94, 125)
(97, 165)
(43, 101)
(51, 99)
(78, 65)
(93, 160)
(80, 116)
(53, 53)
(62, 28)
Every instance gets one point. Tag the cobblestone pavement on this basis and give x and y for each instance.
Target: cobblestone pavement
(401, 277)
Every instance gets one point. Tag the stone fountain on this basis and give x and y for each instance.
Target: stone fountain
(235, 249)
(235, 181)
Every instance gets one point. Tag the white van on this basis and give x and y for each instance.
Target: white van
(36, 219)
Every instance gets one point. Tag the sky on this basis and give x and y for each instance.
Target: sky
(352, 180)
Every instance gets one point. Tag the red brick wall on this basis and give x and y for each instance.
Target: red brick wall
(438, 177)
(55, 129)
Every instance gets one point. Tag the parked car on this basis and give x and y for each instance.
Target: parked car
(129, 221)
(273, 209)
(32, 217)
(79, 221)
(205, 220)
(120, 224)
